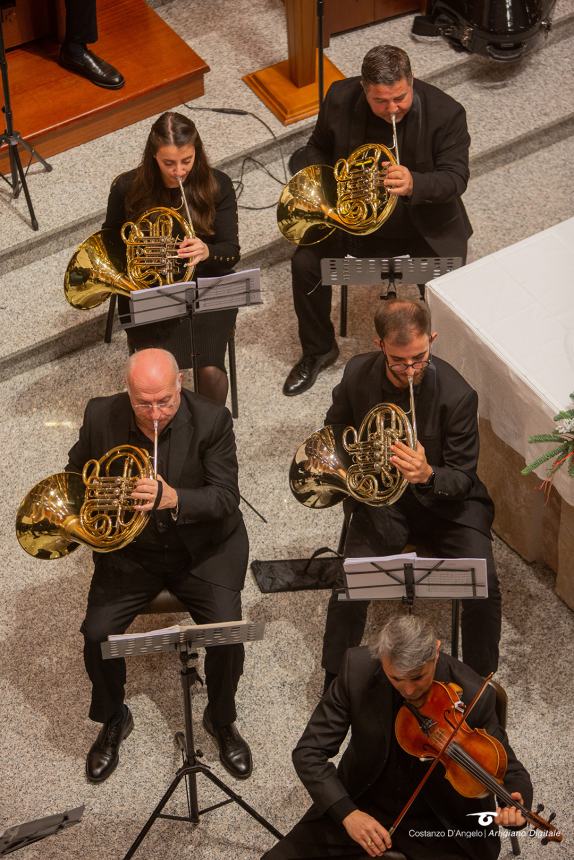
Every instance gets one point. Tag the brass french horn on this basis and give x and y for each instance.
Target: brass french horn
(94, 508)
(151, 259)
(332, 465)
(350, 196)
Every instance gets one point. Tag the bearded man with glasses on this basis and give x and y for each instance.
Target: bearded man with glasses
(194, 544)
(445, 507)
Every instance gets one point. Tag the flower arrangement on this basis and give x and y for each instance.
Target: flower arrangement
(563, 451)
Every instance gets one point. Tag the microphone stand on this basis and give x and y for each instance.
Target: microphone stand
(13, 139)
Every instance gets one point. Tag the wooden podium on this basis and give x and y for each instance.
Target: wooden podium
(289, 88)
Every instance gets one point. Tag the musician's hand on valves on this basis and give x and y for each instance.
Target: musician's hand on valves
(193, 250)
(146, 490)
(399, 180)
(411, 464)
(367, 832)
(510, 816)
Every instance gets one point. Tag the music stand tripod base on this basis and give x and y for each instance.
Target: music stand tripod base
(186, 639)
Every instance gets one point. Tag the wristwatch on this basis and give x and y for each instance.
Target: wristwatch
(430, 483)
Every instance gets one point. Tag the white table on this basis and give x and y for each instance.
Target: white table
(506, 322)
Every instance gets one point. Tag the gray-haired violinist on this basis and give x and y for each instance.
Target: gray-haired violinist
(378, 695)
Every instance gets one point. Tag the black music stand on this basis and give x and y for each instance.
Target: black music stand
(186, 639)
(407, 577)
(362, 271)
(188, 299)
(22, 835)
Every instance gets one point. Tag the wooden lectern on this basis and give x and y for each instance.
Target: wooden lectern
(28, 20)
(289, 88)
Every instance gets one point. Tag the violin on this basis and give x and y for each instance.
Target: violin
(475, 762)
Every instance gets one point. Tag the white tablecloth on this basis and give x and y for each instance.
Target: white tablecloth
(506, 323)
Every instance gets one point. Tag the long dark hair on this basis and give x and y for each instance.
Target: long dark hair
(147, 188)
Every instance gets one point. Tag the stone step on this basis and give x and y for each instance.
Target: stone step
(505, 205)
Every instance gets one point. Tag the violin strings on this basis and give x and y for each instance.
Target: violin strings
(466, 761)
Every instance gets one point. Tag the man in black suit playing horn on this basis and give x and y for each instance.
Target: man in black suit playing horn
(194, 544)
(355, 803)
(429, 219)
(445, 506)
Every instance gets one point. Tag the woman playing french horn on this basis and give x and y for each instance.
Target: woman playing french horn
(174, 154)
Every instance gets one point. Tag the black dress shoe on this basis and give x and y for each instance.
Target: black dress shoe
(77, 58)
(234, 752)
(302, 377)
(103, 756)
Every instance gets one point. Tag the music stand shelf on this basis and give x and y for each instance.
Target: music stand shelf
(367, 271)
(408, 577)
(186, 639)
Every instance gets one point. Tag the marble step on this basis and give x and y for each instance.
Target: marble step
(505, 205)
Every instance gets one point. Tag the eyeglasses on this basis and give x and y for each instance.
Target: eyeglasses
(162, 405)
(402, 366)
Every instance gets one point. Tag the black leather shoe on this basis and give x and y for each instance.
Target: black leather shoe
(77, 58)
(302, 377)
(103, 756)
(234, 752)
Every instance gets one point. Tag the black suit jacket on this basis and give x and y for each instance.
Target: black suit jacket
(435, 144)
(447, 427)
(202, 468)
(360, 699)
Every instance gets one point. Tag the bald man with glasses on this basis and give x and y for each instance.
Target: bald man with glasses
(194, 544)
(445, 507)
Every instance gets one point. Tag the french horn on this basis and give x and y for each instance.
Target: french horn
(333, 464)
(97, 270)
(350, 196)
(94, 508)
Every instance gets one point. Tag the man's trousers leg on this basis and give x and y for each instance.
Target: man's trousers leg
(119, 591)
(481, 618)
(382, 531)
(209, 603)
(81, 21)
(311, 300)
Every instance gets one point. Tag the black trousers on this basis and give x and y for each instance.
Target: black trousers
(312, 301)
(81, 21)
(385, 531)
(123, 583)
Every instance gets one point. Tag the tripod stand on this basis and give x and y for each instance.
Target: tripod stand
(186, 639)
(13, 139)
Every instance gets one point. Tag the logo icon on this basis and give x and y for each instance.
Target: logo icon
(484, 818)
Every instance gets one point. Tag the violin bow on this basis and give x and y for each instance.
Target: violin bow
(443, 749)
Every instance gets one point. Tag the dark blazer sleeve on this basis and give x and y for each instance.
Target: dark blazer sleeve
(116, 211)
(224, 244)
(83, 449)
(341, 409)
(320, 146)
(321, 741)
(455, 475)
(218, 496)
(447, 177)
